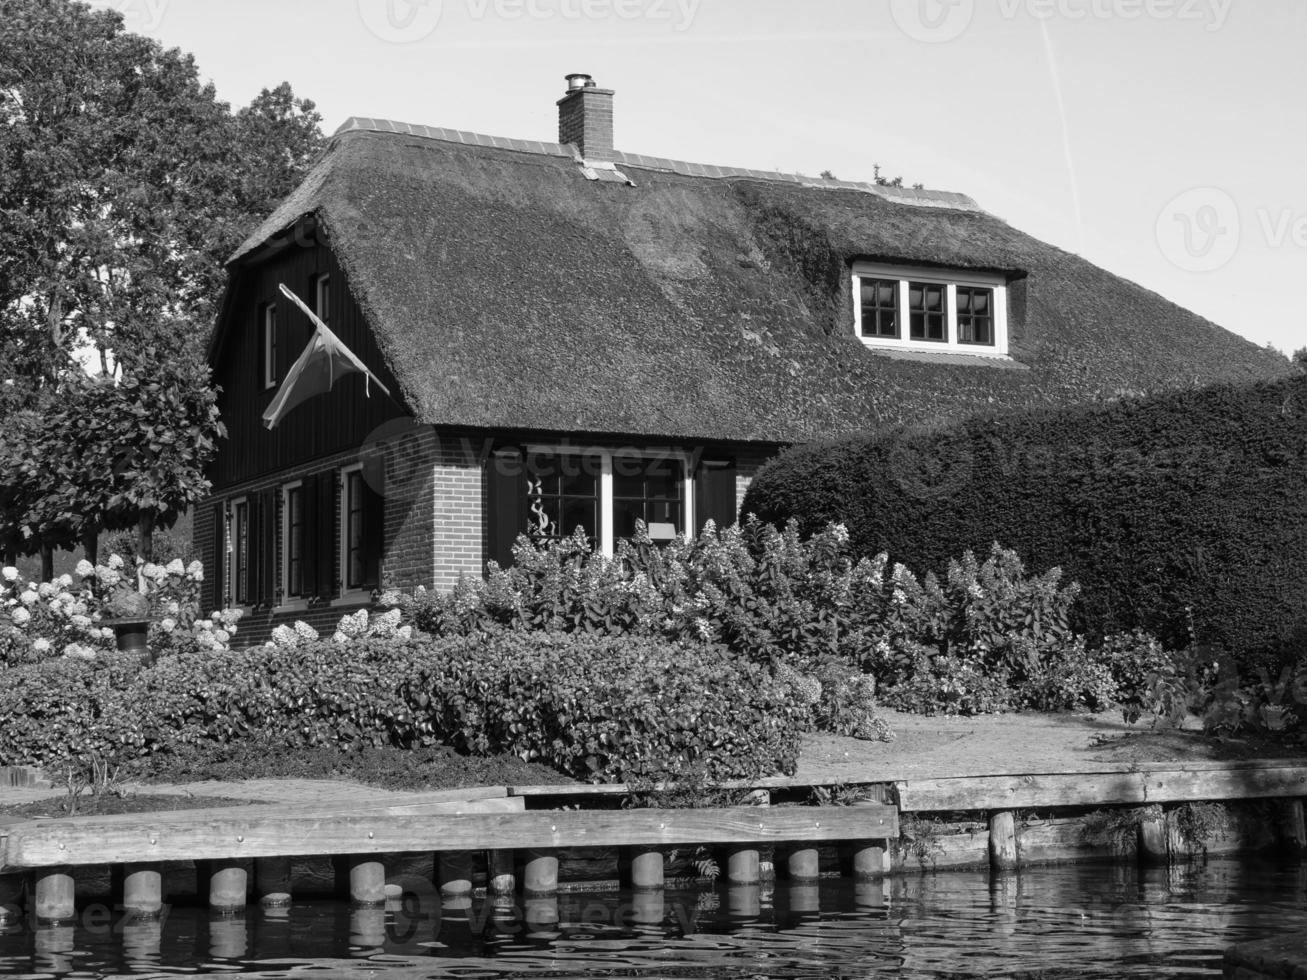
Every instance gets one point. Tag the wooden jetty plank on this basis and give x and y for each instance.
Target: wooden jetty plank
(1100, 789)
(155, 837)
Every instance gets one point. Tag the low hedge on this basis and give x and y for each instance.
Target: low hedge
(1174, 513)
(600, 708)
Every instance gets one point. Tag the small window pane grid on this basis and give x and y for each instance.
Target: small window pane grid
(975, 315)
(880, 307)
(563, 494)
(355, 565)
(928, 311)
(241, 553)
(270, 345)
(649, 490)
(295, 542)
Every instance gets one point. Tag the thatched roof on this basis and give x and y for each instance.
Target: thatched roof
(509, 289)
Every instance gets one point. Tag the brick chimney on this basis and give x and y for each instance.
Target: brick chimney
(585, 118)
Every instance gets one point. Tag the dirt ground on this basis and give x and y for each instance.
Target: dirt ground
(923, 747)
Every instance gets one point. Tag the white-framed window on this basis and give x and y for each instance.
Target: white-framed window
(322, 298)
(270, 341)
(924, 309)
(293, 534)
(238, 548)
(606, 491)
(362, 516)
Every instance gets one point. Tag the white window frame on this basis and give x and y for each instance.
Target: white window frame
(606, 539)
(322, 297)
(286, 601)
(269, 346)
(233, 536)
(949, 278)
(344, 593)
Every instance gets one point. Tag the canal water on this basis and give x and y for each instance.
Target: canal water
(1055, 922)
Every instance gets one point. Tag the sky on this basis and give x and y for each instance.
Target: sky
(1165, 140)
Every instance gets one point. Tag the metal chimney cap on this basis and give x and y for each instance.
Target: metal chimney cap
(578, 80)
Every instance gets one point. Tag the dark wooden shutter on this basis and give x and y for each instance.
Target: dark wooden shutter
(268, 547)
(309, 538)
(714, 493)
(505, 503)
(253, 549)
(218, 557)
(324, 533)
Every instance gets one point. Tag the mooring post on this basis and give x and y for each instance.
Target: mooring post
(540, 914)
(272, 881)
(12, 888)
(648, 907)
(53, 947)
(647, 870)
(502, 876)
(869, 861)
(744, 901)
(540, 873)
(1152, 838)
(367, 881)
(367, 927)
(229, 885)
(143, 891)
(804, 896)
(142, 943)
(55, 899)
(229, 938)
(803, 864)
(1003, 840)
(742, 867)
(454, 873)
(1293, 830)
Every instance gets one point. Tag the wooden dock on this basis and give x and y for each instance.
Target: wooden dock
(515, 835)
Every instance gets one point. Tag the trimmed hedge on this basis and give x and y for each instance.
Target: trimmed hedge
(1174, 511)
(601, 708)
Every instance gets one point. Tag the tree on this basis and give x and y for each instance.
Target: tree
(1300, 358)
(124, 185)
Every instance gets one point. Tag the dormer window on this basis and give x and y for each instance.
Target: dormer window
(919, 309)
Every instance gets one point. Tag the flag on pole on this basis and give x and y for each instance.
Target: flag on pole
(315, 371)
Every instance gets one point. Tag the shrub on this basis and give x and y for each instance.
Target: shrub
(1169, 510)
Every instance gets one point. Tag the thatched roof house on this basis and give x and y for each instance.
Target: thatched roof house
(516, 295)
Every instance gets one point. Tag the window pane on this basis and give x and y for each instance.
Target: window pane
(563, 494)
(294, 542)
(356, 571)
(879, 307)
(926, 307)
(975, 317)
(648, 489)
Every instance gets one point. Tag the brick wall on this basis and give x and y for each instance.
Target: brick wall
(456, 516)
(747, 466)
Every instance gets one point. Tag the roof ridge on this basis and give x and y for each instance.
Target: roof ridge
(901, 195)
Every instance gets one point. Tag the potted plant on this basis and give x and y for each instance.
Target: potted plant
(128, 612)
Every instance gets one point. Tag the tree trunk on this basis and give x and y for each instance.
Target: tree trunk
(145, 537)
(91, 545)
(47, 563)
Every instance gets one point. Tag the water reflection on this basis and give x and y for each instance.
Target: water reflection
(1046, 922)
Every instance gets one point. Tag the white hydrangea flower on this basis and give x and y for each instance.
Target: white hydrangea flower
(305, 632)
(29, 598)
(81, 622)
(355, 624)
(10, 574)
(20, 616)
(79, 652)
(172, 608)
(196, 570)
(64, 581)
(45, 590)
(116, 563)
(222, 636)
(108, 576)
(41, 645)
(339, 637)
(168, 624)
(284, 637)
(840, 533)
(404, 633)
(175, 567)
(85, 569)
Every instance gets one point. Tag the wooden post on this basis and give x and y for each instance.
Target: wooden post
(803, 864)
(12, 888)
(648, 908)
(229, 884)
(1293, 829)
(742, 867)
(229, 939)
(142, 939)
(367, 927)
(804, 896)
(503, 879)
(142, 891)
(367, 881)
(869, 861)
(647, 870)
(272, 881)
(540, 875)
(55, 897)
(1002, 841)
(53, 947)
(744, 901)
(540, 913)
(454, 872)
(1153, 840)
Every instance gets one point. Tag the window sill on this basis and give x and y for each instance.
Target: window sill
(949, 355)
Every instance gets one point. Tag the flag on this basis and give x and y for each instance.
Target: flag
(315, 371)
